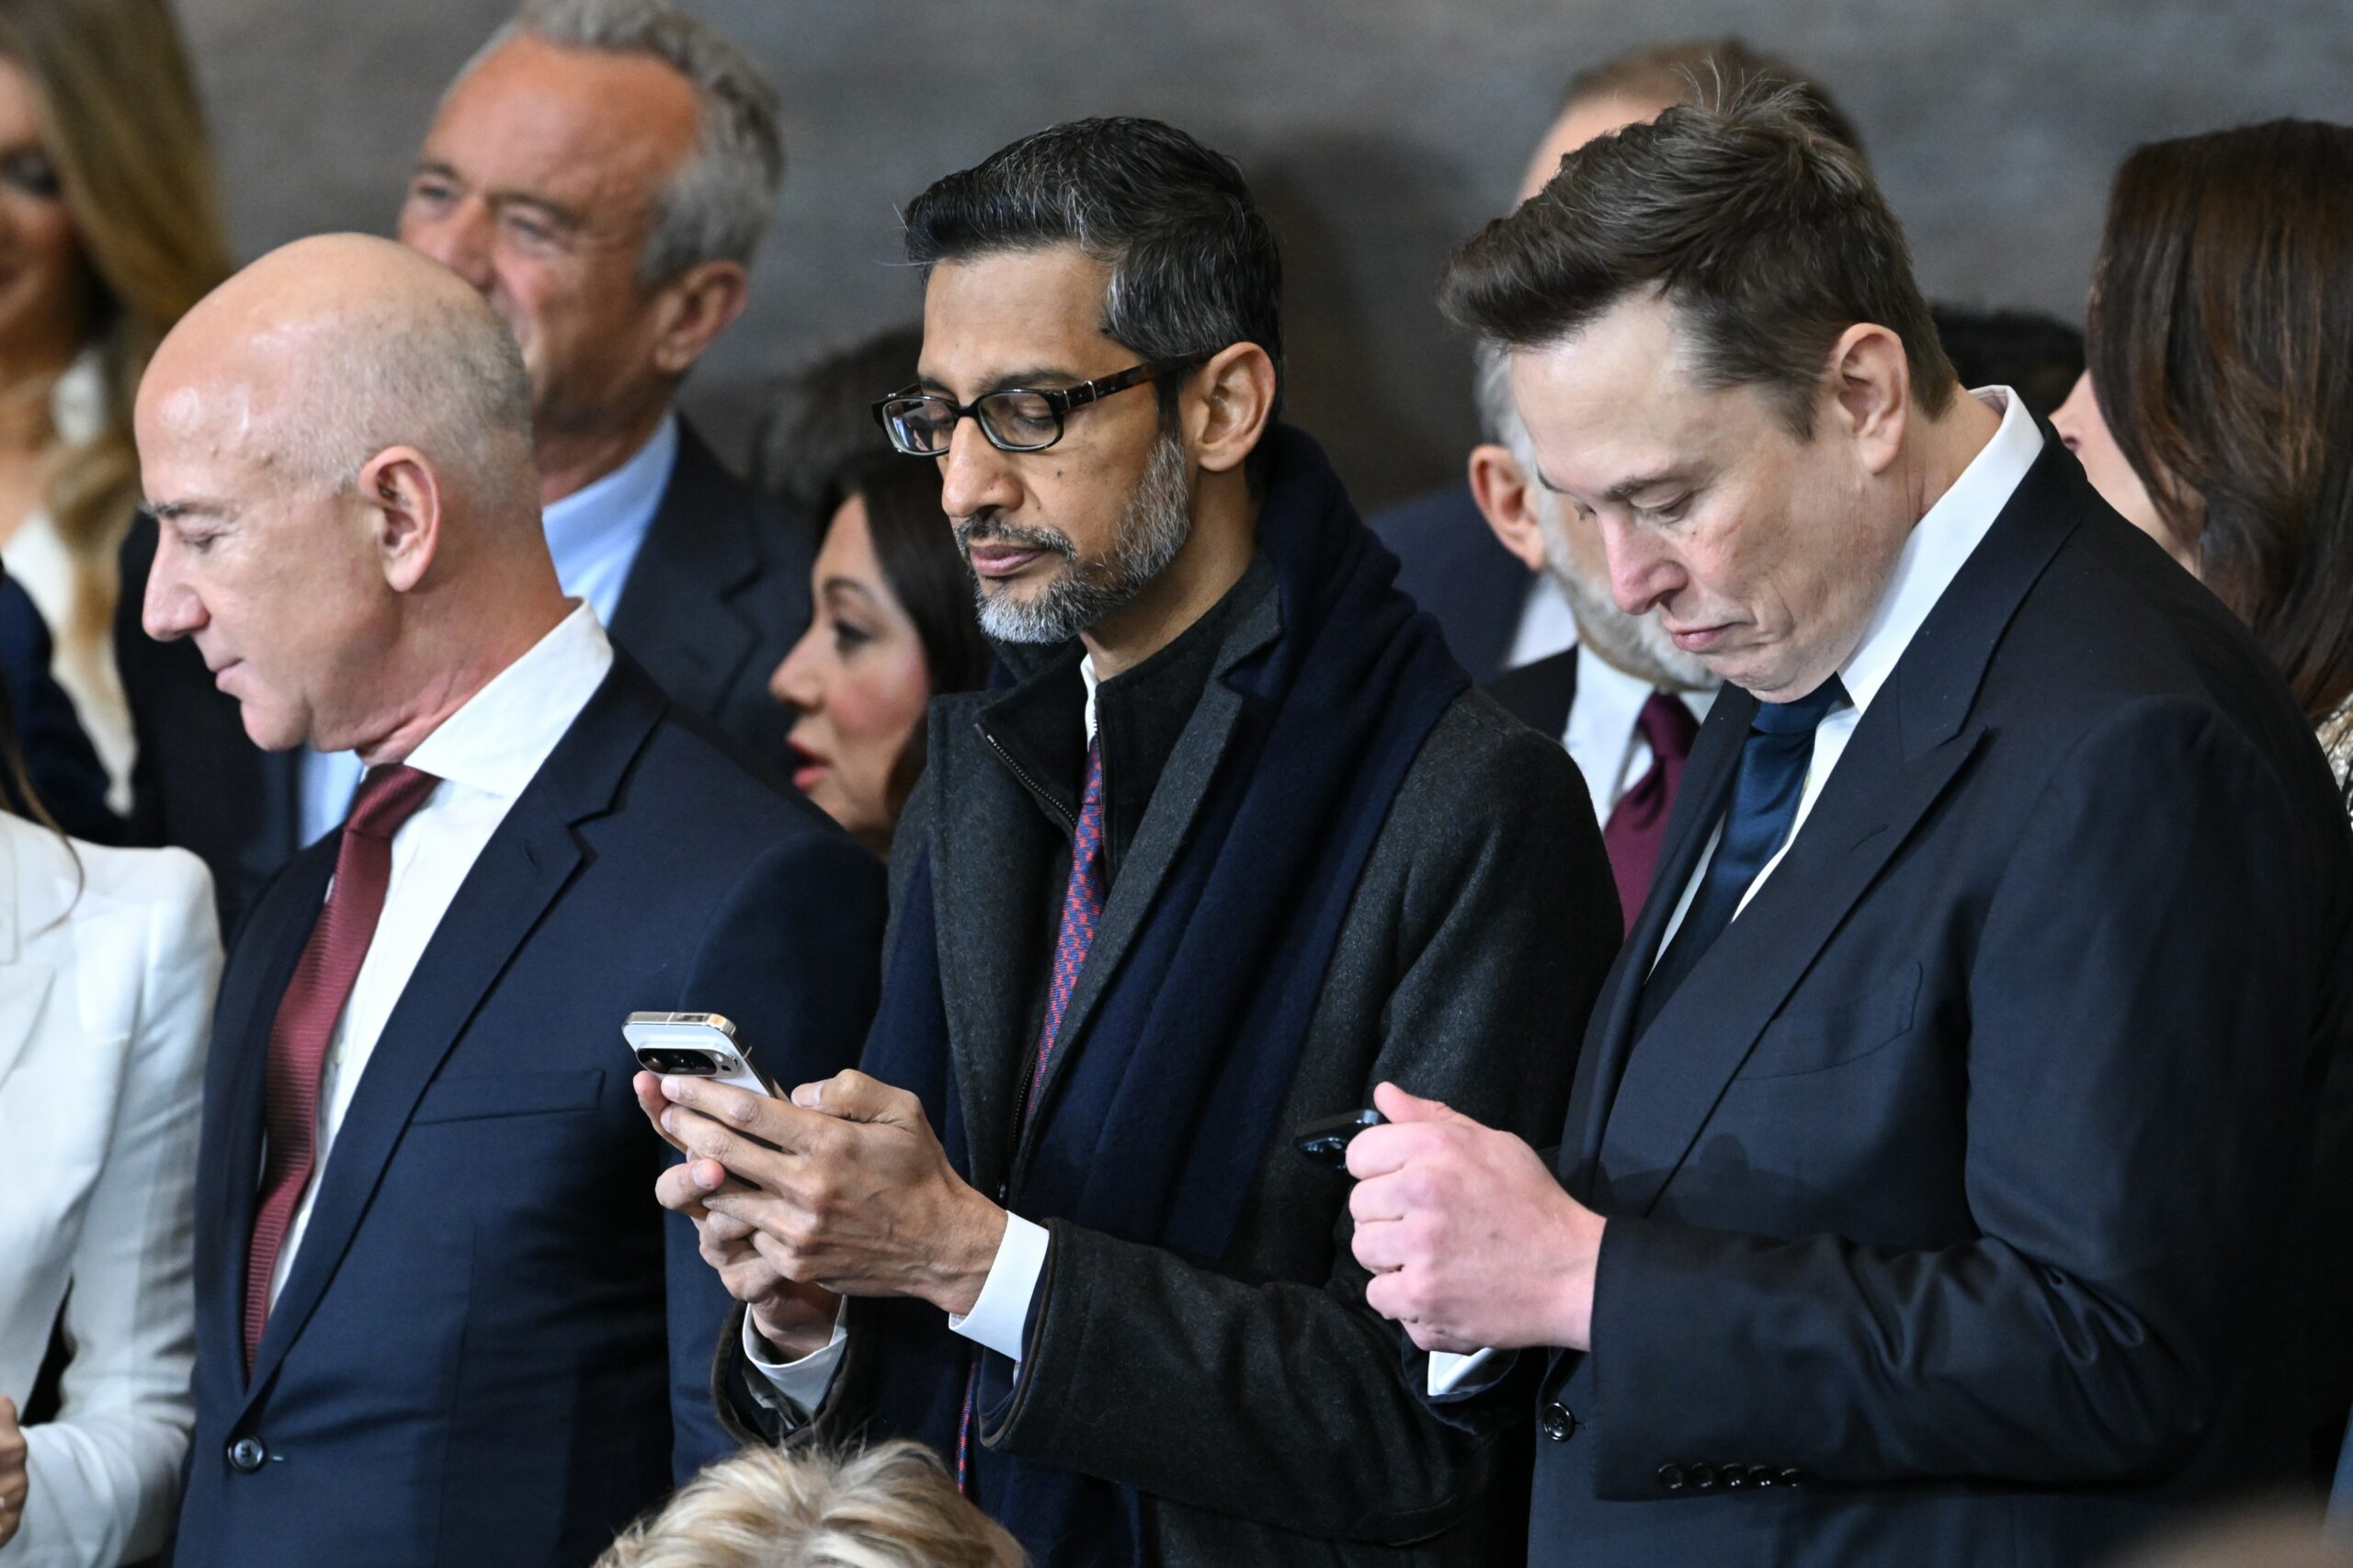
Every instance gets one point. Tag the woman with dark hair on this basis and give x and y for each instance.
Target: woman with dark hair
(2217, 411)
(895, 627)
(107, 962)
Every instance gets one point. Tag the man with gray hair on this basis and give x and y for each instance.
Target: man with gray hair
(602, 172)
(436, 1320)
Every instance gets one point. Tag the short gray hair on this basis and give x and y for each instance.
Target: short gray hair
(1499, 419)
(720, 203)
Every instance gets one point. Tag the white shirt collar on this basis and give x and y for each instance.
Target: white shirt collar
(1087, 673)
(1941, 543)
(625, 498)
(497, 741)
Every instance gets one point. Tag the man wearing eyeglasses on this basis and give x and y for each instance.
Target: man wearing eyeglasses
(1233, 843)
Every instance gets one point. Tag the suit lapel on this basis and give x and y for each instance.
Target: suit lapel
(676, 616)
(1540, 694)
(1913, 745)
(519, 874)
(228, 1166)
(1698, 805)
(1680, 1069)
(992, 852)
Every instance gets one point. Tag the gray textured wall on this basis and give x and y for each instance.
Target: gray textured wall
(1376, 131)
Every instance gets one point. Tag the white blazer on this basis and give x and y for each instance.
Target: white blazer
(106, 1002)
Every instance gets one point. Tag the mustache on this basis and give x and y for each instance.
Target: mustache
(986, 529)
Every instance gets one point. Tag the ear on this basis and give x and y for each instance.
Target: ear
(404, 496)
(1230, 405)
(1870, 392)
(694, 307)
(1507, 499)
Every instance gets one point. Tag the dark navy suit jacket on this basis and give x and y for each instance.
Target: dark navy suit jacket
(717, 595)
(1450, 561)
(61, 762)
(494, 1347)
(1959, 1200)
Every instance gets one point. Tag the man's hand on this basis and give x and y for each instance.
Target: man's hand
(13, 1481)
(797, 1320)
(845, 1187)
(1471, 1242)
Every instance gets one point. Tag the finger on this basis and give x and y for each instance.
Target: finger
(745, 1158)
(774, 1122)
(1380, 1199)
(1381, 1150)
(853, 1096)
(1380, 1248)
(1400, 1107)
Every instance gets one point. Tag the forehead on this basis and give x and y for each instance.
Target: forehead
(1014, 312)
(539, 116)
(19, 114)
(1616, 400)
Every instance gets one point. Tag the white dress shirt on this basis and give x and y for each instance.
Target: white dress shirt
(1547, 625)
(1605, 731)
(484, 755)
(1933, 555)
(594, 535)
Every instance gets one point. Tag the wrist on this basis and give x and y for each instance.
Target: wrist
(962, 1267)
(795, 1329)
(1581, 1259)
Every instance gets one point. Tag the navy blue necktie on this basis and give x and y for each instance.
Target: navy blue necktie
(1765, 793)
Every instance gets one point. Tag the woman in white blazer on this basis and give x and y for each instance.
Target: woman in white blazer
(107, 962)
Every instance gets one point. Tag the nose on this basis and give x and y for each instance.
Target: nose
(2070, 417)
(1640, 571)
(459, 239)
(795, 683)
(973, 475)
(171, 608)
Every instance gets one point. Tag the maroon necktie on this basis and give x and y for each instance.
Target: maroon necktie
(314, 1000)
(1637, 829)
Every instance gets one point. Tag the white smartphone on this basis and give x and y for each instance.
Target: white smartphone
(696, 1045)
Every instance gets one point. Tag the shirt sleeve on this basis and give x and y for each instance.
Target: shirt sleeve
(800, 1386)
(1000, 1317)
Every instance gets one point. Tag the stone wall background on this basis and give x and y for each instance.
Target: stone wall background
(1377, 133)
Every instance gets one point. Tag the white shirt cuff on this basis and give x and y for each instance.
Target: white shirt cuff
(800, 1385)
(1001, 1313)
(1449, 1371)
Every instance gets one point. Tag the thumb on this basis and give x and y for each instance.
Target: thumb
(1400, 1107)
(853, 1096)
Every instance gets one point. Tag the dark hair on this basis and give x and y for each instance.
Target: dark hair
(2221, 348)
(1194, 267)
(915, 550)
(2038, 356)
(1684, 70)
(1768, 237)
(821, 417)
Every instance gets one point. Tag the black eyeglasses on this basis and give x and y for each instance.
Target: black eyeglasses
(1016, 419)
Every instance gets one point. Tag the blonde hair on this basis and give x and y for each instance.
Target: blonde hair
(122, 125)
(889, 1507)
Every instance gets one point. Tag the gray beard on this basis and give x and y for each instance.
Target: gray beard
(1635, 644)
(1154, 526)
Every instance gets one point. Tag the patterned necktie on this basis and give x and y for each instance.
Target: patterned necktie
(1637, 829)
(1765, 794)
(305, 1021)
(1082, 911)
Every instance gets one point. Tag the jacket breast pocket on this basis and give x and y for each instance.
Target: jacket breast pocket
(479, 1095)
(1833, 1037)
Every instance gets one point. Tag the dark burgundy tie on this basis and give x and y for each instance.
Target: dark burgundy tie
(1637, 828)
(314, 999)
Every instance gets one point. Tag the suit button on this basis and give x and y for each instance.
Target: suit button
(1734, 1475)
(247, 1454)
(1791, 1477)
(1761, 1475)
(1703, 1476)
(1558, 1421)
(1671, 1477)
